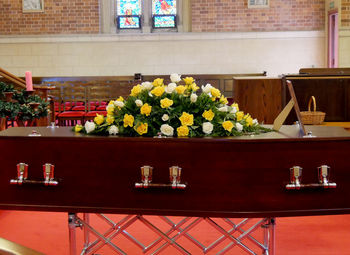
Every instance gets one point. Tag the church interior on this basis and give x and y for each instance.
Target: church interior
(81, 80)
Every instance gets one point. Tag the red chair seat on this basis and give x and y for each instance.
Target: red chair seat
(101, 108)
(71, 114)
(94, 113)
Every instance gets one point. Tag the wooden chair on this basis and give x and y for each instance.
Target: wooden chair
(99, 94)
(74, 105)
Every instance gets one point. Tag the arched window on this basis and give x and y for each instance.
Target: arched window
(145, 16)
(129, 13)
(164, 13)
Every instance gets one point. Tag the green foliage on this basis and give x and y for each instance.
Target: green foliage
(20, 106)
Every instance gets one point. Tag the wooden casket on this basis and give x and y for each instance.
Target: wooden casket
(268, 175)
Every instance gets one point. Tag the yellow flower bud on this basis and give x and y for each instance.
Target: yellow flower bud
(158, 82)
(99, 119)
(128, 120)
(227, 125)
(208, 115)
(239, 116)
(223, 100)
(215, 92)
(188, 80)
(166, 102)
(235, 105)
(78, 128)
(186, 119)
(109, 119)
(182, 131)
(180, 89)
(158, 91)
(136, 90)
(146, 109)
(141, 128)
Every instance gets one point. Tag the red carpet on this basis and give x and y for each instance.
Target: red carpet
(48, 233)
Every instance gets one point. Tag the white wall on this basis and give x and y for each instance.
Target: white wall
(344, 48)
(152, 54)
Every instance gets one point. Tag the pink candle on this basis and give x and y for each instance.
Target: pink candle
(29, 81)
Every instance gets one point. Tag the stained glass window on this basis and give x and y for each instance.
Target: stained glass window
(129, 14)
(164, 13)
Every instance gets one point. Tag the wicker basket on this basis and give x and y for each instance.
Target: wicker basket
(312, 118)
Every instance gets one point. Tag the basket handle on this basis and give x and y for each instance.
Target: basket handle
(312, 99)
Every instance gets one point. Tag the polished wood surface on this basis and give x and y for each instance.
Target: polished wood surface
(259, 96)
(332, 95)
(226, 177)
(10, 248)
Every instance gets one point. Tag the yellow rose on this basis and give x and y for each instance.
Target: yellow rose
(141, 128)
(111, 102)
(121, 99)
(146, 109)
(235, 105)
(158, 82)
(182, 131)
(227, 125)
(128, 120)
(193, 87)
(215, 92)
(208, 115)
(186, 119)
(109, 119)
(110, 108)
(188, 80)
(78, 128)
(223, 100)
(166, 102)
(136, 90)
(158, 91)
(249, 121)
(180, 89)
(99, 119)
(239, 115)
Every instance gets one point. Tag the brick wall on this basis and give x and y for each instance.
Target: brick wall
(345, 13)
(234, 15)
(60, 17)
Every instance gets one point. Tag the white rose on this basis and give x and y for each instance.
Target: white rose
(223, 109)
(239, 127)
(170, 88)
(165, 117)
(175, 77)
(138, 102)
(150, 94)
(147, 85)
(207, 128)
(206, 88)
(89, 126)
(255, 122)
(234, 110)
(194, 98)
(113, 130)
(119, 104)
(167, 130)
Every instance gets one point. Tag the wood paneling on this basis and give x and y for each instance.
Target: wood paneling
(225, 177)
(261, 97)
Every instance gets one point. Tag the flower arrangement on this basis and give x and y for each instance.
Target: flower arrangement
(173, 110)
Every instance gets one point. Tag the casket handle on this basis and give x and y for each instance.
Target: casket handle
(323, 172)
(22, 175)
(174, 175)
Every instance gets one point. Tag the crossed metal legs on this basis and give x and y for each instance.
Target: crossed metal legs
(171, 236)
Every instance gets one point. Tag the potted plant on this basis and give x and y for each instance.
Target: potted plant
(7, 91)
